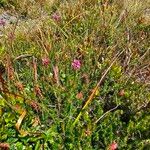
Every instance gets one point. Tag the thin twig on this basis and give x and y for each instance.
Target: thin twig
(105, 114)
(22, 56)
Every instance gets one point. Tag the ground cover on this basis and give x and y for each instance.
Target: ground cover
(74, 74)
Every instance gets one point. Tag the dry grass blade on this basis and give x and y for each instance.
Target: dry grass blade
(18, 124)
(22, 56)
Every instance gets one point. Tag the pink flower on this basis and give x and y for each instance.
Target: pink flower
(45, 61)
(76, 64)
(56, 16)
(113, 146)
(2, 22)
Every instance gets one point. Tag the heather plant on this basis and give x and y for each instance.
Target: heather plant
(75, 75)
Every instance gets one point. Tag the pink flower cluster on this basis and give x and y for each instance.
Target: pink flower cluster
(76, 64)
(113, 146)
(45, 61)
(56, 16)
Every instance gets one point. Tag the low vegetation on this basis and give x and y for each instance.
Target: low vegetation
(75, 75)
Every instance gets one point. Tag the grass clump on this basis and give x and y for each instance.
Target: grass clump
(75, 75)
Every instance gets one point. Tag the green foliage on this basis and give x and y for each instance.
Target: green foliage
(41, 93)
